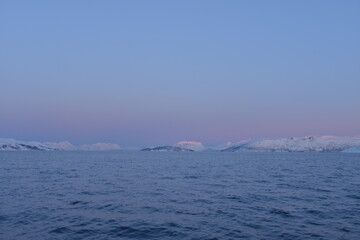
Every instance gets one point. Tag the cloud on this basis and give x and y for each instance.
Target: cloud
(100, 147)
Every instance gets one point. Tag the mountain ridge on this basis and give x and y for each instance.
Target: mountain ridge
(296, 144)
(289, 144)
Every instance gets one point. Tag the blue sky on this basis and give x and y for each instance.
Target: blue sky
(157, 72)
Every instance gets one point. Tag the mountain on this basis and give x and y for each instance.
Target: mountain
(196, 146)
(291, 144)
(14, 145)
(352, 150)
(296, 144)
(167, 149)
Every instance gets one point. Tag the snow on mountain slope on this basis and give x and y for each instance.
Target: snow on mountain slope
(352, 150)
(166, 149)
(196, 146)
(14, 145)
(182, 146)
(297, 144)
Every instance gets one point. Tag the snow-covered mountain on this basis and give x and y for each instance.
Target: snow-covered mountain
(297, 144)
(196, 146)
(14, 145)
(166, 149)
(293, 144)
(352, 150)
(182, 146)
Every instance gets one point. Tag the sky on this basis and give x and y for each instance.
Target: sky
(156, 72)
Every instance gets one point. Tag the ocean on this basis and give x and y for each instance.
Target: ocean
(179, 195)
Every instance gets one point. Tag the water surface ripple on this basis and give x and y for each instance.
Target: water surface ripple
(150, 195)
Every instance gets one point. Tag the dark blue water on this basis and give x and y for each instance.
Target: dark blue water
(137, 195)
